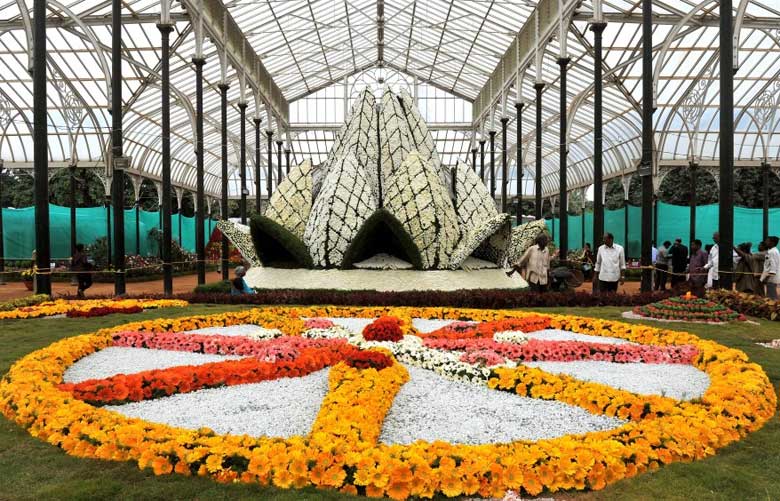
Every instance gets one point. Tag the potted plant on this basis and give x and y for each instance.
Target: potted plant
(27, 278)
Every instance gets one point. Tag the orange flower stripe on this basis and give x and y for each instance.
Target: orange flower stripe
(342, 451)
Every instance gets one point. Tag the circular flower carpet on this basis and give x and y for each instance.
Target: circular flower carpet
(400, 402)
(687, 308)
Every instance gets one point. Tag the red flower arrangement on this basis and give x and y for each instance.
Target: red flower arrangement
(463, 330)
(368, 360)
(536, 350)
(384, 328)
(102, 311)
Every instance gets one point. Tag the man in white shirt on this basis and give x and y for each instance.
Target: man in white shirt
(610, 265)
(771, 275)
(712, 261)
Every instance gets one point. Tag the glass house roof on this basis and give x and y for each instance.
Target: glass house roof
(318, 52)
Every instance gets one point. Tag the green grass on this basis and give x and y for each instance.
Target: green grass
(31, 469)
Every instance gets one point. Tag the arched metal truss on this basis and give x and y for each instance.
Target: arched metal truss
(455, 46)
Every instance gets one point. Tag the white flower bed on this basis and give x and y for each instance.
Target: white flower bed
(680, 381)
(430, 408)
(561, 335)
(259, 409)
(383, 261)
(517, 337)
(244, 330)
(122, 360)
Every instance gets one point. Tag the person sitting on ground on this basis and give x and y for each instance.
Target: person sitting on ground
(697, 272)
(238, 285)
(610, 265)
(534, 266)
(80, 263)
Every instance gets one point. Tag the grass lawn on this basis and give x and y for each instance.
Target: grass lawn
(31, 469)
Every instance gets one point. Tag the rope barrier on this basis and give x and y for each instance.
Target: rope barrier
(35, 271)
(669, 272)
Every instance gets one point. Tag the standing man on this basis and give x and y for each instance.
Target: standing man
(697, 269)
(771, 275)
(712, 260)
(610, 265)
(679, 254)
(662, 266)
(534, 266)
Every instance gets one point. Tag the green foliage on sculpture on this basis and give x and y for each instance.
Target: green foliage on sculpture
(416, 196)
(276, 245)
(290, 204)
(382, 233)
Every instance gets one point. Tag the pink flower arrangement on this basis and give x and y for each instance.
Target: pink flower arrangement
(482, 357)
(318, 323)
(536, 350)
(283, 348)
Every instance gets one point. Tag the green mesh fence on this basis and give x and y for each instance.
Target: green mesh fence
(673, 222)
(19, 230)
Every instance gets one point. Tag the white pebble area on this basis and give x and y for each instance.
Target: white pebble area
(430, 408)
(122, 360)
(560, 335)
(280, 408)
(425, 325)
(354, 325)
(680, 381)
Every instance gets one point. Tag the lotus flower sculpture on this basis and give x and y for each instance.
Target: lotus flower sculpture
(382, 190)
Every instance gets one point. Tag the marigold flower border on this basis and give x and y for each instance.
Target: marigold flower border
(660, 430)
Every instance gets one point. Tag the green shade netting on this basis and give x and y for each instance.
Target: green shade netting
(19, 230)
(673, 222)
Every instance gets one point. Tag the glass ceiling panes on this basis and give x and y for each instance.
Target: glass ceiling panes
(447, 47)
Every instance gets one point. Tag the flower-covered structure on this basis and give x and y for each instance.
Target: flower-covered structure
(382, 190)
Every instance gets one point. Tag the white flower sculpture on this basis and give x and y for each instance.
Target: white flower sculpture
(291, 203)
(317, 216)
(239, 236)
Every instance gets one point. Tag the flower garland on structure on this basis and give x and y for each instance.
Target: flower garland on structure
(343, 450)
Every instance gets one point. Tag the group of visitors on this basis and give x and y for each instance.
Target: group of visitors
(755, 272)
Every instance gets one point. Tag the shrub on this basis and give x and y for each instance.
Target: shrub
(276, 245)
(385, 328)
(221, 287)
(382, 232)
(747, 304)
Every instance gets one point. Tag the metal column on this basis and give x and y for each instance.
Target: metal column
(269, 178)
(694, 171)
(646, 167)
(72, 203)
(765, 198)
(200, 199)
(538, 177)
(138, 227)
(223, 88)
(258, 192)
(167, 236)
(482, 160)
(598, 140)
(278, 162)
(118, 179)
(726, 216)
(563, 186)
(492, 135)
(519, 163)
(474, 158)
(504, 167)
(242, 162)
(287, 161)
(41, 151)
